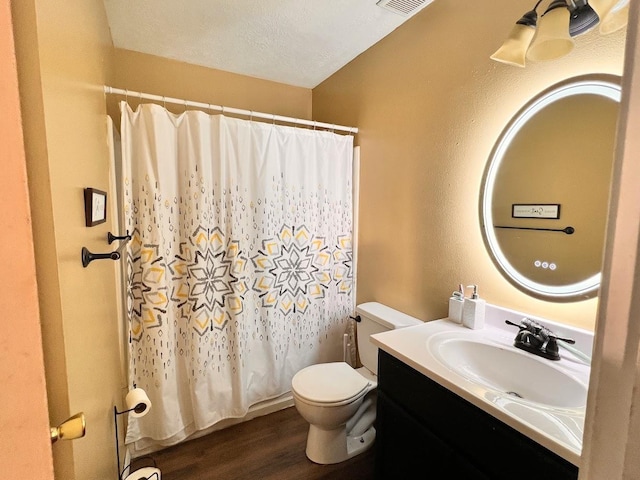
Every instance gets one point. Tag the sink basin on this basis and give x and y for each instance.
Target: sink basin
(517, 375)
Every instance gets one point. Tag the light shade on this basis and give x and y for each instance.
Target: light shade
(514, 49)
(552, 40)
(613, 14)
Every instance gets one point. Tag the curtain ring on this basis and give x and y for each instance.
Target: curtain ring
(273, 119)
(314, 125)
(126, 95)
(139, 98)
(222, 108)
(164, 102)
(333, 128)
(251, 115)
(185, 106)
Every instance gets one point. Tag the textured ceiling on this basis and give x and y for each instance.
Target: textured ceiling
(296, 42)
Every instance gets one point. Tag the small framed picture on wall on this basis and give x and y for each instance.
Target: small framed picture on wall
(95, 206)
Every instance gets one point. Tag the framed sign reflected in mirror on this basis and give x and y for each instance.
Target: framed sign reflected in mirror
(95, 206)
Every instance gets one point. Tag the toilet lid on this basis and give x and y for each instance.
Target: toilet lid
(329, 382)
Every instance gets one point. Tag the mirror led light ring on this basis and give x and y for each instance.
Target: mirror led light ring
(604, 85)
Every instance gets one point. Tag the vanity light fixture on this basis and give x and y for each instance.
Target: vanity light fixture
(552, 36)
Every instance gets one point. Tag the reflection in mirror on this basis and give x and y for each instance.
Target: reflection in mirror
(545, 193)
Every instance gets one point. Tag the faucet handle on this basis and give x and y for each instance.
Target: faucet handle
(548, 333)
(570, 341)
(526, 324)
(519, 325)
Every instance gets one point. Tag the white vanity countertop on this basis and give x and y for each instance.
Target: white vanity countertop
(558, 429)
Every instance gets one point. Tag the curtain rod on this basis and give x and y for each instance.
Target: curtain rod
(237, 111)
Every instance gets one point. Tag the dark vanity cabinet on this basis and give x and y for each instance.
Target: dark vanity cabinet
(426, 431)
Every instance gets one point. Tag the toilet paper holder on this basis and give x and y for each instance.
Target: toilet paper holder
(139, 405)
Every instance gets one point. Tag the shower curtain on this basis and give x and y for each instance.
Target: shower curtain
(239, 270)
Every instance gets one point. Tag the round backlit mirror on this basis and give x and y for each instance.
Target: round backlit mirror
(545, 193)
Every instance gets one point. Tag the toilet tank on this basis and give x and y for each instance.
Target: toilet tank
(377, 318)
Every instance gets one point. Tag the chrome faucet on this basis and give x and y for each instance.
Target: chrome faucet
(537, 339)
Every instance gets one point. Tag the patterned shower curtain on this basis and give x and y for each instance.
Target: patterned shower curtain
(239, 270)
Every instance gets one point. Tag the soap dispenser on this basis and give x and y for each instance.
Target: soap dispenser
(456, 302)
(473, 310)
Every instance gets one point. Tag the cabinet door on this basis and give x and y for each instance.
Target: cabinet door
(478, 438)
(406, 449)
(465, 470)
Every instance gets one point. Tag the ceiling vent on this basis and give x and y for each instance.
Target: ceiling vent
(403, 7)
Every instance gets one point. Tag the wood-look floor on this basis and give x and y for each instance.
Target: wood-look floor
(271, 447)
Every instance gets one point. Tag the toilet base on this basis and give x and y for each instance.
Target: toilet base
(334, 446)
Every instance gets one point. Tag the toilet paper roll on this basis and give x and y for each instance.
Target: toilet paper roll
(138, 400)
(144, 473)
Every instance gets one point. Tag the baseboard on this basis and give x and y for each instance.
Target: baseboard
(255, 411)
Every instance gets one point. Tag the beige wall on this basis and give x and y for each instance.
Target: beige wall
(63, 53)
(149, 74)
(429, 104)
(25, 449)
(65, 57)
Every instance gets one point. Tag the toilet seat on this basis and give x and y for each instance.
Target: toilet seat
(325, 384)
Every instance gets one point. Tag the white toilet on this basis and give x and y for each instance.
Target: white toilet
(338, 401)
